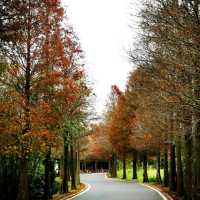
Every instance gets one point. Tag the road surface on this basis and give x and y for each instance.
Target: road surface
(110, 189)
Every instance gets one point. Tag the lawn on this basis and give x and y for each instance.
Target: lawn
(151, 173)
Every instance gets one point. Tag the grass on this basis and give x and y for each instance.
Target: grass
(151, 173)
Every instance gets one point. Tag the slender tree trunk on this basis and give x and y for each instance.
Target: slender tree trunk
(114, 165)
(196, 138)
(180, 186)
(72, 168)
(95, 166)
(109, 167)
(158, 176)
(196, 120)
(172, 171)
(23, 192)
(124, 167)
(65, 187)
(145, 173)
(47, 193)
(84, 166)
(78, 164)
(166, 170)
(134, 165)
(188, 167)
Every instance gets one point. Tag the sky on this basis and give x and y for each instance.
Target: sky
(104, 32)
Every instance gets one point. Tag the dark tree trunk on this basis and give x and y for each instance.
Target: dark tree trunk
(72, 168)
(114, 166)
(124, 167)
(95, 166)
(23, 192)
(196, 122)
(196, 159)
(180, 186)
(166, 170)
(47, 192)
(65, 187)
(134, 165)
(172, 171)
(145, 173)
(84, 166)
(109, 167)
(188, 167)
(78, 164)
(158, 176)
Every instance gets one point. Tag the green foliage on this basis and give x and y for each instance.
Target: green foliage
(151, 173)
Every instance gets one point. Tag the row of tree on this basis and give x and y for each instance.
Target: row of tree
(158, 114)
(43, 99)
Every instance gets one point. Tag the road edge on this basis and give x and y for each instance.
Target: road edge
(148, 186)
(158, 191)
(83, 191)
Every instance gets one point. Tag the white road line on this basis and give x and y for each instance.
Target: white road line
(162, 195)
(81, 193)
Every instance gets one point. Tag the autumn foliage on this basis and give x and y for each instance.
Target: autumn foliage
(42, 82)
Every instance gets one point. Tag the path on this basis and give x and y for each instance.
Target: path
(109, 189)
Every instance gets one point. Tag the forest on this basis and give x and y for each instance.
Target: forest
(45, 102)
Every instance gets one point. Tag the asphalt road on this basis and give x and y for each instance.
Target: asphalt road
(109, 189)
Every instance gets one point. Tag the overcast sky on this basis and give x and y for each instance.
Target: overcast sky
(105, 35)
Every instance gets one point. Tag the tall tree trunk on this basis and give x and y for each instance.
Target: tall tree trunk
(84, 166)
(172, 170)
(188, 167)
(124, 167)
(72, 168)
(23, 192)
(166, 170)
(196, 138)
(78, 164)
(196, 119)
(180, 186)
(65, 187)
(95, 166)
(47, 193)
(134, 165)
(145, 173)
(109, 167)
(158, 176)
(114, 165)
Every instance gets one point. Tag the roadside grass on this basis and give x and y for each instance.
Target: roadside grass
(151, 174)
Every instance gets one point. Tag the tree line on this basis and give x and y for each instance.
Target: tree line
(44, 97)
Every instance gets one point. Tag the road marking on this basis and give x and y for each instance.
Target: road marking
(81, 193)
(160, 193)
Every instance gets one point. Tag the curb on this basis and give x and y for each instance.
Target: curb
(72, 196)
(84, 190)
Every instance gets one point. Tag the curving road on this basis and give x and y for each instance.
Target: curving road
(110, 189)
